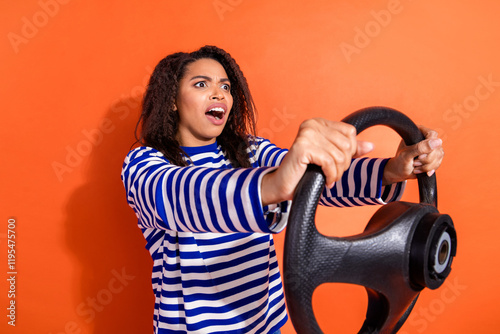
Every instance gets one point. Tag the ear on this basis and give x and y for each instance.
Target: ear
(175, 107)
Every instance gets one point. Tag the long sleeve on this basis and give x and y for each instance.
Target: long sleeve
(193, 198)
(361, 184)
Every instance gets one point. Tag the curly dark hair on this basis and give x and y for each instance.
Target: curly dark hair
(160, 118)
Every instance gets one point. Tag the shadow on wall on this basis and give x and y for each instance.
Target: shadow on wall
(115, 292)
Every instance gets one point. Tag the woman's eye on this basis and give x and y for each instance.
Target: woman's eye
(200, 84)
(226, 87)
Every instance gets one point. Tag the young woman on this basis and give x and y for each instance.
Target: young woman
(209, 193)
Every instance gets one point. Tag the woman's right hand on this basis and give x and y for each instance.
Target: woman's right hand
(328, 144)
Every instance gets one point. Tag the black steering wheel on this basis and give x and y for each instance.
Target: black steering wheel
(404, 248)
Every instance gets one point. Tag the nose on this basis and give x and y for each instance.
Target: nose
(217, 94)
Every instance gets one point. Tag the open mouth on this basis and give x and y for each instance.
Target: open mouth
(216, 112)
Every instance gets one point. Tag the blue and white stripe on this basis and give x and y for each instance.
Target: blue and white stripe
(214, 262)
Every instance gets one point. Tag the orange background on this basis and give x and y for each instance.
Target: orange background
(72, 76)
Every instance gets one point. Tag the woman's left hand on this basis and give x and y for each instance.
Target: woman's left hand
(423, 157)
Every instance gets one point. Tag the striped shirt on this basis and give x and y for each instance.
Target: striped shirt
(214, 262)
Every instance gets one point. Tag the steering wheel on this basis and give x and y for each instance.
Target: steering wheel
(404, 248)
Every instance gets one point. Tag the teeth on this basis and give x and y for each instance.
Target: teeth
(217, 112)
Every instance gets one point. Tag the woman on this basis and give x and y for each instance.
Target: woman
(209, 194)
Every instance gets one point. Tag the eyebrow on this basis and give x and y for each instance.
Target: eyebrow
(207, 78)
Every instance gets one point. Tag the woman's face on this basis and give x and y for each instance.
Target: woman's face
(203, 101)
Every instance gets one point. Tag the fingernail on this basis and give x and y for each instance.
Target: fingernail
(417, 163)
(431, 172)
(417, 171)
(435, 143)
